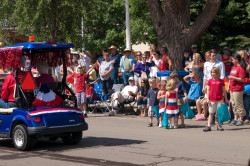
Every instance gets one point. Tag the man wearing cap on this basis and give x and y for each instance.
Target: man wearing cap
(194, 49)
(129, 92)
(225, 58)
(126, 65)
(115, 60)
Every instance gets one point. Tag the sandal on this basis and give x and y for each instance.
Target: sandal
(150, 124)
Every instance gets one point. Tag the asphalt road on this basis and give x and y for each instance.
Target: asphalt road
(126, 140)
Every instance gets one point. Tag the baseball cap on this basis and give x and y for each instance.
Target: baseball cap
(194, 46)
(225, 48)
(131, 78)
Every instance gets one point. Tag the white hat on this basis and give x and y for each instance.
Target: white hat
(127, 50)
(131, 78)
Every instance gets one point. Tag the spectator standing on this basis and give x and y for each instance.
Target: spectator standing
(142, 97)
(196, 65)
(226, 60)
(84, 59)
(143, 68)
(126, 64)
(208, 67)
(161, 98)
(138, 60)
(186, 59)
(157, 67)
(115, 60)
(215, 88)
(80, 88)
(152, 101)
(106, 73)
(152, 50)
(181, 92)
(172, 109)
(194, 49)
(236, 87)
(166, 64)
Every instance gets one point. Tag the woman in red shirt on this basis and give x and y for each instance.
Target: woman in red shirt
(236, 87)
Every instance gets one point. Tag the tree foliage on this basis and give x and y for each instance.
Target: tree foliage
(104, 22)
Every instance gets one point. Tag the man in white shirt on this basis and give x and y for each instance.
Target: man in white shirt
(129, 92)
(208, 67)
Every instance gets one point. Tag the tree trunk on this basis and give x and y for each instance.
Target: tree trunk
(171, 20)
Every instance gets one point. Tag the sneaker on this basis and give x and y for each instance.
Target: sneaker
(219, 127)
(150, 124)
(85, 115)
(171, 126)
(182, 126)
(207, 128)
(240, 123)
(160, 125)
(175, 127)
(232, 123)
(157, 124)
(246, 121)
(112, 113)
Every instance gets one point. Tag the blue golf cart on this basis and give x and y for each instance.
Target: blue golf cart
(25, 124)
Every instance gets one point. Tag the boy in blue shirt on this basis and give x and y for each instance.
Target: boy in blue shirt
(152, 100)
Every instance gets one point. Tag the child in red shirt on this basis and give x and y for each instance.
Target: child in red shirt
(215, 87)
(80, 87)
(236, 87)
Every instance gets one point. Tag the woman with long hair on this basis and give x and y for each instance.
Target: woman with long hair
(142, 97)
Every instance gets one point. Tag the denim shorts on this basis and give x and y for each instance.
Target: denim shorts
(81, 97)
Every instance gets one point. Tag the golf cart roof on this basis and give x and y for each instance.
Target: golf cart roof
(41, 45)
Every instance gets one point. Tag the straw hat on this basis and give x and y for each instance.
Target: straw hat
(113, 47)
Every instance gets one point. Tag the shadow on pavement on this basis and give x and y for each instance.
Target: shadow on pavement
(58, 145)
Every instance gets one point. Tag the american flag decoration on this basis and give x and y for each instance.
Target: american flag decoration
(46, 97)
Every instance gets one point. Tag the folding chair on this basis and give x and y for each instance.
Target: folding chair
(119, 88)
(101, 99)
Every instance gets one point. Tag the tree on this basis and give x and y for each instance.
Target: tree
(171, 20)
(44, 19)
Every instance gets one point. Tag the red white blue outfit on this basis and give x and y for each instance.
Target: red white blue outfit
(162, 104)
(172, 107)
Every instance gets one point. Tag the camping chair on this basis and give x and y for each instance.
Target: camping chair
(131, 103)
(102, 101)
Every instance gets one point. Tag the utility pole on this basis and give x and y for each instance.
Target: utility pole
(128, 37)
(82, 34)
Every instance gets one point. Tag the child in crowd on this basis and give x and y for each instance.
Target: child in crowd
(172, 110)
(236, 87)
(152, 100)
(181, 92)
(89, 93)
(161, 98)
(80, 87)
(215, 87)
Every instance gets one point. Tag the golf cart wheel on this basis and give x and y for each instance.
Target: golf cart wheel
(72, 138)
(21, 139)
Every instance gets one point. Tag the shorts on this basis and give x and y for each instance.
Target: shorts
(150, 111)
(180, 103)
(213, 106)
(161, 114)
(136, 78)
(81, 97)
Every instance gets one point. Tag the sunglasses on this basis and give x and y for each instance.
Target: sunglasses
(139, 55)
(144, 57)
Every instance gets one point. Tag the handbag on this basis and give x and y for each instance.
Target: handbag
(165, 120)
(223, 114)
(156, 111)
(187, 111)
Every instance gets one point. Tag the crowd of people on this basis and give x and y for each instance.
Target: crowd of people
(213, 79)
